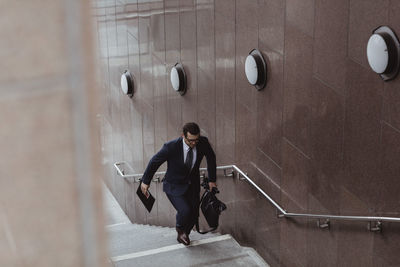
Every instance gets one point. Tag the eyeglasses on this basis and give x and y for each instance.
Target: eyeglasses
(192, 140)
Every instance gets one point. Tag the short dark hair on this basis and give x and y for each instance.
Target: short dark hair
(192, 128)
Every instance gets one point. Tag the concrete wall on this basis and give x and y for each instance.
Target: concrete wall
(322, 137)
(50, 194)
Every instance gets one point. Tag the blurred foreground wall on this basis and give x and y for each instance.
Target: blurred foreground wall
(50, 195)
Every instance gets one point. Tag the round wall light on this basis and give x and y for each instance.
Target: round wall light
(256, 69)
(383, 52)
(127, 83)
(178, 78)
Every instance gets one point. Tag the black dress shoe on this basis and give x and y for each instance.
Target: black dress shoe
(182, 237)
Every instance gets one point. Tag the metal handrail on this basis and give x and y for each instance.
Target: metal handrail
(283, 212)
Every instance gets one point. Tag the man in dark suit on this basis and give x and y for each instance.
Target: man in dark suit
(182, 179)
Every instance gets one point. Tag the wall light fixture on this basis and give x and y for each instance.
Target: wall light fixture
(256, 69)
(178, 78)
(383, 53)
(127, 83)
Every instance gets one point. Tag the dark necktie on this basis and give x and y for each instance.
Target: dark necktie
(189, 159)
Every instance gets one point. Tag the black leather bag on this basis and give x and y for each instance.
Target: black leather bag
(211, 207)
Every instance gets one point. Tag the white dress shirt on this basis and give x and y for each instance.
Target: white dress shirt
(185, 152)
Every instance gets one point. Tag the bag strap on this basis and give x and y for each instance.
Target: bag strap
(197, 222)
(204, 232)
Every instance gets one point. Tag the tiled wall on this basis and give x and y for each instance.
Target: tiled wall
(322, 137)
(50, 171)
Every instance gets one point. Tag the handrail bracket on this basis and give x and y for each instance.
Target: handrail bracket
(229, 174)
(324, 225)
(279, 214)
(376, 228)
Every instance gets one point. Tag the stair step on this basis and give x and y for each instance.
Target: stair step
(130, 238)
(215, 251)
(139, 228)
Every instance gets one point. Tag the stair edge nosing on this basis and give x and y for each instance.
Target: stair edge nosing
(170, 247)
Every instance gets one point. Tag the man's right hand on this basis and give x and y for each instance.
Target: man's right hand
(144, 188)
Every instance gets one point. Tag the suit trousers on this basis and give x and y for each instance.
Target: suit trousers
(187, 207)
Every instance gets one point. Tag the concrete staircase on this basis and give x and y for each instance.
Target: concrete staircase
(145, 245)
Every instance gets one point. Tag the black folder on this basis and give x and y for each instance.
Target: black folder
(148, 202)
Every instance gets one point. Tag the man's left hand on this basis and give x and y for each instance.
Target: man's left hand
(211, 185)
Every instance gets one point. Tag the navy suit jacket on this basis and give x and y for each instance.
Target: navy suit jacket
(178, 177)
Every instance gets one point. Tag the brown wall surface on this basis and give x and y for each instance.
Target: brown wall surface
(322, 137)
(50, 170)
